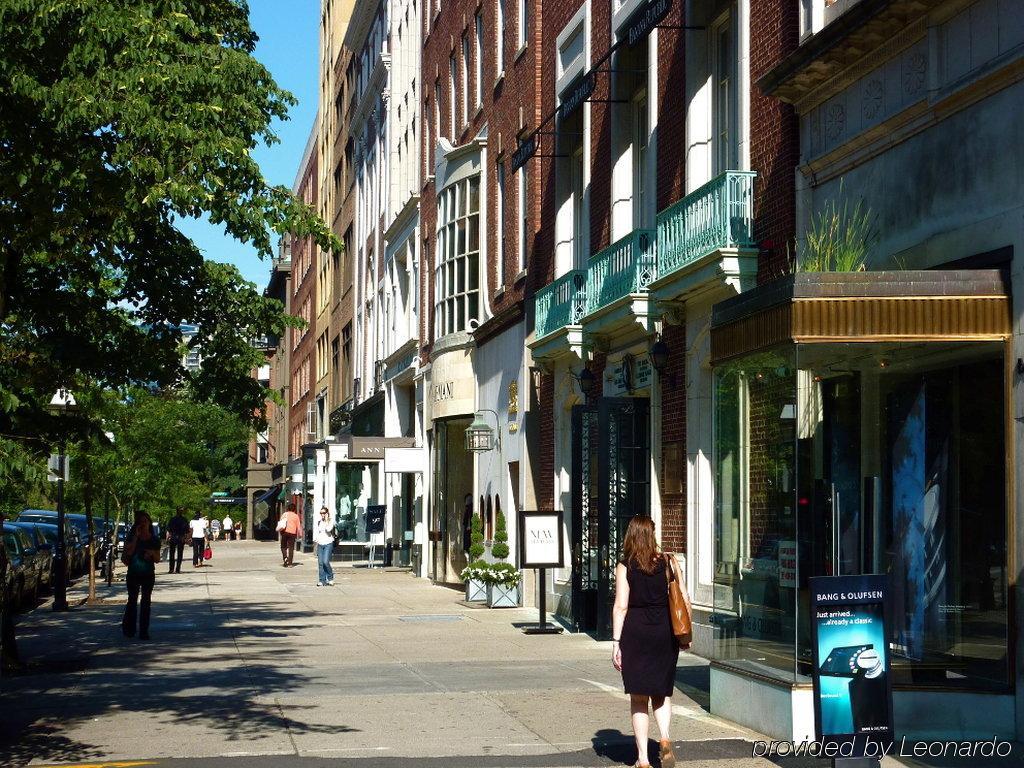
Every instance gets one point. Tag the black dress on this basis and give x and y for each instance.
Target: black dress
(649, 649)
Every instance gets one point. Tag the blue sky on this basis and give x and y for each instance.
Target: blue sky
(288, 31)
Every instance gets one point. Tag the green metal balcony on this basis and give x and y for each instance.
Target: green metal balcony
(561, 302)
(625, 267)
(718, 215)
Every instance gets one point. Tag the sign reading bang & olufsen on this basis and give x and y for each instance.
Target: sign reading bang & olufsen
(644, 20)
(581, 90)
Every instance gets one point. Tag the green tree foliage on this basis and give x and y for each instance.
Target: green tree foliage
(117, 120)
(476, 538)
(167, 451)
(500, 549)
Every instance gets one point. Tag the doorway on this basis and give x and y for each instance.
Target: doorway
(611, 484)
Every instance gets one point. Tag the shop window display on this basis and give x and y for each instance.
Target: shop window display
(866, 457)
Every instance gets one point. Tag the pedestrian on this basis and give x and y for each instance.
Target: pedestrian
(228, 526)
(323, 535)
(177, 532)
(644, 649)
(141, 553)
(288, 528)
(198, 527)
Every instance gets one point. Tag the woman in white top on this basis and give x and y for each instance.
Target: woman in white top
(198, 527)
(323, 535)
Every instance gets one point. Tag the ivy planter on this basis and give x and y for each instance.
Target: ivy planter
(499, 596)
(476, 591)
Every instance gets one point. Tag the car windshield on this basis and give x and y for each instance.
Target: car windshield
(10, 543)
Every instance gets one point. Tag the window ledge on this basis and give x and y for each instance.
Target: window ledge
(479, 111)
(521, 276)
(499, 79)
(499, 292)
(520, 52)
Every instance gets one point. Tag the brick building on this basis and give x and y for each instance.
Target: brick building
(480, 71)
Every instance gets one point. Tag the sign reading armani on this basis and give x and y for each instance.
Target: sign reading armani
(644, 20)
(524, 152)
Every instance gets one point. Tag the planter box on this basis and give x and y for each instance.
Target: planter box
(502, 597)
(476, 591)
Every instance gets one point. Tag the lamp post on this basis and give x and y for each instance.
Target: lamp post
(62, 402)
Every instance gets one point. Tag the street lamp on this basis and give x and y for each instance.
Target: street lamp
(586, 380)
(480, 438)
(61, 402)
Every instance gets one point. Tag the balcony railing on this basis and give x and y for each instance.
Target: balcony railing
(624, 267)
(562, 302)
(718, 215)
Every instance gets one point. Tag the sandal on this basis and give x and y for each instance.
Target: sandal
(668, 756)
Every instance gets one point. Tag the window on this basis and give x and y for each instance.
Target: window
(437, 117)
(262, 455)
(457, 276)
(452, 94)
(499, 42)
(521, 218)
(501, 225)
(641, 138)
(467, 63)
(478, 73)
(724, 96)
(346, 362)
(522, 27)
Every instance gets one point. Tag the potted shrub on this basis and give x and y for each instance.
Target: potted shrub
(474, 574)
(502, 577)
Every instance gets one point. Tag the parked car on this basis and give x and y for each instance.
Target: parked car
(15, 581)
(44, 552)
(23, 558)
(76, 535)
(49, 531)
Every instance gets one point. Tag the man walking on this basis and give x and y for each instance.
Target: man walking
(177, 532)
(288, 527)
(198, 526)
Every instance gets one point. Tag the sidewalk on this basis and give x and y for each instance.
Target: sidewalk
(249, 659)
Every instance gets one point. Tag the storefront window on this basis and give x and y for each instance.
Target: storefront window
(355, 488)
(840, 459)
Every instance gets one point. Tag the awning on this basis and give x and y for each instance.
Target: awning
(823, 307)
(266, 495)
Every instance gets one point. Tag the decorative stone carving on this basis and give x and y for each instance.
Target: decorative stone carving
(835, 121)
(873, 93)
(913, 73)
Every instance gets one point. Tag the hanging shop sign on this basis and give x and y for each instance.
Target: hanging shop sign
(852, 667)
(526, 149)
(644, 20)
(541, 540)
(639, 25)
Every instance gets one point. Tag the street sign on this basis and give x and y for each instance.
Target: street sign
(54, 468)
(219, 494)
(852, 668)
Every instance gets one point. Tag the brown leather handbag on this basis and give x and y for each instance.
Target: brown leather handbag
(679, 610)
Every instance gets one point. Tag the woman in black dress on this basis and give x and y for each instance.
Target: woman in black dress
(644, 649)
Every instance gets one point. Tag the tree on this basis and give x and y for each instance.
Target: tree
(500, 549)
(476, 539)
(117, 120)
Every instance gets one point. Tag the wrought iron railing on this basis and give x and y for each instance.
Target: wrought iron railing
(717, 215)
(562, 302)
(624, 267)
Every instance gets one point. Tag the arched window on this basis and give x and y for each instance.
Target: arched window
(489, 522)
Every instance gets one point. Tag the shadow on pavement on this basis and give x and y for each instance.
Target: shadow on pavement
(80, 667)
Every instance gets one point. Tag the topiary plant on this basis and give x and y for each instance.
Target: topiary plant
(476, 539)
(500, 548)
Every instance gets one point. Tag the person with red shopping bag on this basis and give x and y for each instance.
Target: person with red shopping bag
(288, 529)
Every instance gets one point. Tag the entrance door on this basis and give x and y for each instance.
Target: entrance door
(611, 471)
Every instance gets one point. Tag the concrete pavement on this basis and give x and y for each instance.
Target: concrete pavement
(252, 664)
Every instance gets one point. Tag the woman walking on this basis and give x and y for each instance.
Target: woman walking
(644, 649)
(141, 553)
(198, 526)
(323, 535)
